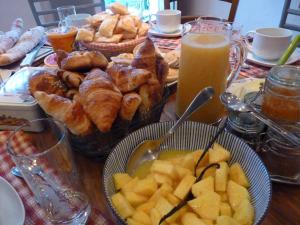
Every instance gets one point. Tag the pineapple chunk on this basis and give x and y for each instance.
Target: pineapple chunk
(226, 220)
(204, 162)
(130, 185)
(155, 216)
(120, 179)
(161, 192)
(236, 194)
(188, 162)
(244, 213)
(135, 199)
(218, 154)
(174, 224)
(184, 186)
(131, 221)
(203, 186)
(122, 205)
(209, 172)
(146, 186)
(225, 209)
(207, 205)
(172, 199)
(224, 196)
(164, 167)
(237, 174)
(191, 219)
(146, 207)
(141, 217)
(181, 172)
(208, 222)
(221, 177)
(177, 214)
(163, 206)
(162, 179)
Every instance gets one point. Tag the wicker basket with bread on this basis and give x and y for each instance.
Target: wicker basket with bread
(112, 32)
(101, 102)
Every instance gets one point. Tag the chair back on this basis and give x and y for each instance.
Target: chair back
(231, 15)
(45, 13)
(287, 10)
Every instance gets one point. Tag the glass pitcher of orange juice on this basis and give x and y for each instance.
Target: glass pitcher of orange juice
(204, 61)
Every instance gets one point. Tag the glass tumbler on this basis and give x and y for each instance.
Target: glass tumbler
(64, 12)
(45, 160)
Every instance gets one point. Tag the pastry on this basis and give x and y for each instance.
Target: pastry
(128, 78)
(118, 8)
(129, 106)
(71, 93)
(172, 75)
(107, 27)
(69, 112)
(101, 100)
(9, 38)
(127, 23)
(97, 19)
(143, 29)
(46, 82)
(81, 60)
(71, 79)
(116, 38)
(123, 58)
(84, 34)
(25, 44)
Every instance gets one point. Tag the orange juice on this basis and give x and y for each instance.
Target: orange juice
(62, 40)
(204, 62)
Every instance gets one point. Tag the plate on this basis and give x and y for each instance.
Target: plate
(12, 210)
(270, 63)
(155, 32)
(192, 135)
(51, 60)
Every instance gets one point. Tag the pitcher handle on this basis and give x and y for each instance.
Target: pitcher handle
(241, 55)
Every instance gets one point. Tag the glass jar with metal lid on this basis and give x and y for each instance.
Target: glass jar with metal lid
(281, 97)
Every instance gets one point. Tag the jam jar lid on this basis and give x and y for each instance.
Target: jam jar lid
(287, 76)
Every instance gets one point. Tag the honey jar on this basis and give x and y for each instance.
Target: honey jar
(281, 98)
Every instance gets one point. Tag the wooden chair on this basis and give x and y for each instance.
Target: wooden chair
(82, 6)
(287, 10)
(232, 12)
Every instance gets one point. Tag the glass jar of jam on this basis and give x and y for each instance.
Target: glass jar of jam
(281, 98)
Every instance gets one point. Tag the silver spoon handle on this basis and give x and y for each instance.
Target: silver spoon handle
(202, 97)
(280, 130)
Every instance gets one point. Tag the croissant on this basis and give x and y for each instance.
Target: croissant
(151, 95)
(145, 57)
(69, 112)
(71, 79)
(101, 100)
(81, 60)
(128, 78)
(129, 106)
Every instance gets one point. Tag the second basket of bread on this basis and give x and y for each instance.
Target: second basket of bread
(112, 32)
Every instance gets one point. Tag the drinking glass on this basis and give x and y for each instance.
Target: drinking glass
(205, 61)
(46, 162)
(64, 12)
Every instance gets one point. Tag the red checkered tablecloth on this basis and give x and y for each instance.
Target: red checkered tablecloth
(34, 213)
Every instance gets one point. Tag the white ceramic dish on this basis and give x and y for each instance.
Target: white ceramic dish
(269, 63)
(155, 32)
(12, 210)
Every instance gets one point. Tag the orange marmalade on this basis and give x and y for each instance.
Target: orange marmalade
(281, 99)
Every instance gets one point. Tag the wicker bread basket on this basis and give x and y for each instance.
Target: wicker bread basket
(112, 49)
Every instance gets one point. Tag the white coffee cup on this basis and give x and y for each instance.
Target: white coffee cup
(167, 21)
(269, 43)
(77, 20)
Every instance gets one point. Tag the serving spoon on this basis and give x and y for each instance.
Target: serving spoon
(232, 102)
(148, 149)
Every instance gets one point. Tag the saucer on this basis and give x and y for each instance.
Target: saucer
(270, 63)
(178, 33)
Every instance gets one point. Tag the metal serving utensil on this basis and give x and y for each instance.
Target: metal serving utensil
(147, 150)
(232, 102)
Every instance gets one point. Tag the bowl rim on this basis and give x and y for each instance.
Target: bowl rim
(108, 198)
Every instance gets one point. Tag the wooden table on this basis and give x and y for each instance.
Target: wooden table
(284, 209)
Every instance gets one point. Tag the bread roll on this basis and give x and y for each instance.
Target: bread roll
(118, 8)
(129, 106)
(107, 27)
